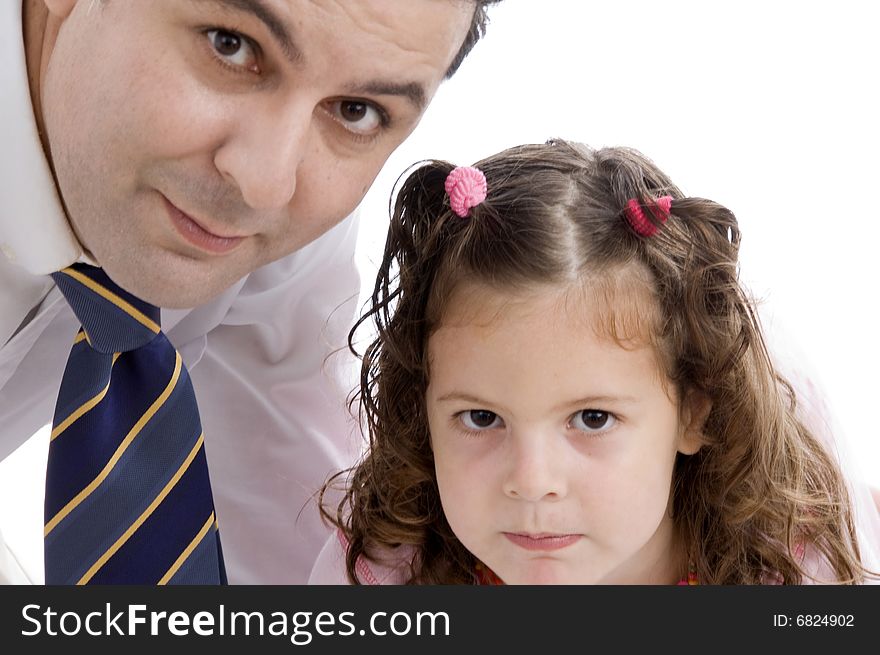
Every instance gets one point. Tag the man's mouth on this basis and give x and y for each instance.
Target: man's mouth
(195, 232)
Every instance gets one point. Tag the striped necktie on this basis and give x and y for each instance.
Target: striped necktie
(128, 500)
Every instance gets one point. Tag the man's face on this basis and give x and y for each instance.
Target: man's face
(196, 140)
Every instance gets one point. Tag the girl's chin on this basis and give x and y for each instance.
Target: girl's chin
(545, 573)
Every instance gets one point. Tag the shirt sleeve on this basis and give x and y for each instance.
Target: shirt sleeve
(329, 568)
(272, 385)
(11, 571)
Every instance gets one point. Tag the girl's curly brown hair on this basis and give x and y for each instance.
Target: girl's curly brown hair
(745, 504)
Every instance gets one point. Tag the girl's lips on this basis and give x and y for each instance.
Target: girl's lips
(542, 541)
(197, 235)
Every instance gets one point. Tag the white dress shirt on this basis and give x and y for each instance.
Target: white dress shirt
(271, 398)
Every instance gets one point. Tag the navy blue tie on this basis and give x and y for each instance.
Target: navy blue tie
(128, 499)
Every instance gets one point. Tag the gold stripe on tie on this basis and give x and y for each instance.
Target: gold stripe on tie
(145, 515)
(82, 495)
(80, 336)
(102, 291)
(86, 406)
(188, 550)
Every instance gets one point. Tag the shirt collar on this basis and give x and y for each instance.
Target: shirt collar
(34, 231)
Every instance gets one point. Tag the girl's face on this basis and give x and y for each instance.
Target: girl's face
(554, 447)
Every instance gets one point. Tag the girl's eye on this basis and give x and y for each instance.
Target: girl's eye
(357, 116)
(480, 419)
(592, 420)
(232, 48)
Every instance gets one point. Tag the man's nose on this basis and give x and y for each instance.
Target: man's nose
(263, 153)
(535, 471)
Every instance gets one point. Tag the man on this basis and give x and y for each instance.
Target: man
(205, 154)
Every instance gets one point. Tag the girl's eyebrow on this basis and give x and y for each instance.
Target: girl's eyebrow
(588, 401)
(463, 397)
(474, 402)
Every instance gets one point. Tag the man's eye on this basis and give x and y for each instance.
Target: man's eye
(232, 48)
(357, 115)
(592, 420)
(479, 419)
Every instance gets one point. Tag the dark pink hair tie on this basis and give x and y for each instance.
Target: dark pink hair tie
(466, 188)
(642, 225)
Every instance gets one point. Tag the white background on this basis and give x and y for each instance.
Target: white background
(767, 107)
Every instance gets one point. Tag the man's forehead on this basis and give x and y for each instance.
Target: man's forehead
(283, 17)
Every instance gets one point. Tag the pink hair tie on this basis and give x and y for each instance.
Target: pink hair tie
(466, 188)
(635, 215)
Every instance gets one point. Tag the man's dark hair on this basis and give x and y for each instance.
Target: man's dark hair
(475, 33)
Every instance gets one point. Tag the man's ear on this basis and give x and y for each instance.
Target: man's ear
(694, 412)
(61, 8)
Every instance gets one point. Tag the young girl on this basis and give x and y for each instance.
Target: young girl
(569, 385)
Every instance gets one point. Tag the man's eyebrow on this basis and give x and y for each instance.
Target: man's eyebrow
(267, 16)
(412, 91)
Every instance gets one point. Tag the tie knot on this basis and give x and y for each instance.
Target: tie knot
(113, 319)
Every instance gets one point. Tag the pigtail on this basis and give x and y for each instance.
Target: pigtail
(391, 497)
(763, 487)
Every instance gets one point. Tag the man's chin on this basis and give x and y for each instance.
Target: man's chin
(169, 291)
